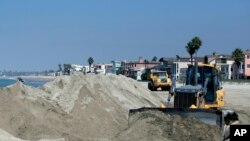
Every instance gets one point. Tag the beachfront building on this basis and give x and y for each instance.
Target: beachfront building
(135, 69)
(237, 71)
(69, 69)
(77, 68)
(179, 64)
(86, 69)
(103, 69)
(247, 64)
(99, 68)
(225, 64)
(116, 65)
(108, 69)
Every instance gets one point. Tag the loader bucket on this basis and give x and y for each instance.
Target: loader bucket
(208, 116)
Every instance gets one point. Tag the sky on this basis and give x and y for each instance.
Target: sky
(37, 35)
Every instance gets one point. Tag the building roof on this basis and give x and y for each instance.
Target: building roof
(103, 64)
(141, 60)
(180, 59)
(214, 57)
(247, 52)
(167, 59)
(138, 62)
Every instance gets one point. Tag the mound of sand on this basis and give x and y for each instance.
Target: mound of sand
(112, 90)
(27, 115)
(79, 107)
(93, 107)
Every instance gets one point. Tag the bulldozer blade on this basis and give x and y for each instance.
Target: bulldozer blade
(221, 118)
(208, 116)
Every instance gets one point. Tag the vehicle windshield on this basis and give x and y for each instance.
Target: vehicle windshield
(204, 75)
(162, 74)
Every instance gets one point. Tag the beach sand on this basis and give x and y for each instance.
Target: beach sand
(95, 108)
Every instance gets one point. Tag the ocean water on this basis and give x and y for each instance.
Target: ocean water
(9, 81)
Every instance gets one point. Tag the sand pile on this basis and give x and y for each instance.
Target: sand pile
(92, 107)
(25, 114)
(99, 103)
(78, 107)
(113, 90)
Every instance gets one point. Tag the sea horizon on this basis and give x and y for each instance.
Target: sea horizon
(7, 81)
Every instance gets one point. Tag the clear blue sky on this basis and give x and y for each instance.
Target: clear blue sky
(40, 34)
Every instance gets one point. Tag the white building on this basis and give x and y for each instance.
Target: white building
(86, 69)
(225, 64)
(179, 64)
(77, 67)
(103, 68)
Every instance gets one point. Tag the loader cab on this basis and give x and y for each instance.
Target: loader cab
(207, 77)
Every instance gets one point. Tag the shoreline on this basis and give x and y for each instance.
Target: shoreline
(37, 78)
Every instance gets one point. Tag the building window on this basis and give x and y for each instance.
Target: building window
(248, 56)
(221, 60)
(248, 65)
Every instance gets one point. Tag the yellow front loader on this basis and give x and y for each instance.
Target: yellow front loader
(202, 96)
(159, 79)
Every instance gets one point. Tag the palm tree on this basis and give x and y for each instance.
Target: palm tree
(238, 56)
(154, 59)
(193, 46)
(90, 61)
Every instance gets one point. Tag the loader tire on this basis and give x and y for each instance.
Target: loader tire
(164, 88)
(150, 86)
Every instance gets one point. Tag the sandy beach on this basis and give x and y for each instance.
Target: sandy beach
(95, 108)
